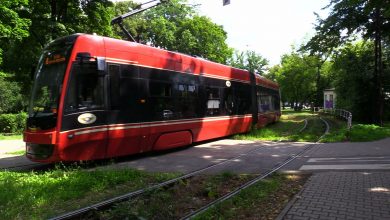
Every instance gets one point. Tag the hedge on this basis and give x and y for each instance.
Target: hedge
(13, 123)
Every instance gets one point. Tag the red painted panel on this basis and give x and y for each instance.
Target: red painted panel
(85, 146)
(40, 137)
(124, 141)
(172, 140)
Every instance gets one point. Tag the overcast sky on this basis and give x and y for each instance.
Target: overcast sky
(270, 27)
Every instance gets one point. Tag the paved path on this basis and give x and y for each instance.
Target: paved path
(349, 181)
(9, 160)
(7, 146)
(343, 195)
(257, 157)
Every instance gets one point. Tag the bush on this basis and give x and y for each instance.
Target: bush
(13, 123)
(366, 132)
(11, 100)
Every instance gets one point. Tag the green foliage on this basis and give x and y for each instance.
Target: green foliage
(296, 79)
(302, 78)
(13, 27)
(288, 129)
(41, 195)
(11, 137)
(26, 26)
(248, 60)
(11, 100)
(348, 21)
(199, 36)
(367, 132)
(354, 76)
(176, 26)
(45, 21)
(246, 203)
(12, 123)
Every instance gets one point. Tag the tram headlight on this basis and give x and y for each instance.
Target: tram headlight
(39, 151)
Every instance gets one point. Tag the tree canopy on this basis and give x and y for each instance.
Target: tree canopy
(26, 26)
(176, 26)
(249, 60)
(349, 20)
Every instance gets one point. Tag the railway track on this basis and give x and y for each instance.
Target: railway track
(25, 167)
(78, 214)
(259, 178)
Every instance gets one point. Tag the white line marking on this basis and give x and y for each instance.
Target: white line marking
(314, 160)
(347, 167)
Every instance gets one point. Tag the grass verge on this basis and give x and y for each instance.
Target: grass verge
(17, 153)
(266, 198)
(11, 137)
(287, 129)
(291, 122)
(364, 132)
(40, 195)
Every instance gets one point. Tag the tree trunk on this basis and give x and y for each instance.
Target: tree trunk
(378, 71)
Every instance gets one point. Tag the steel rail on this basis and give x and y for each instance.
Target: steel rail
(256, 180)
(15, 168)
(304, 126)
(105, 203)
(246, 185)
(127, 196)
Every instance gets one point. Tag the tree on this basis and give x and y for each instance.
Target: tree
(48, 20)
(349, 18)
(353, 68)
(176, 26)
(198, 36)
(249, 60)
(297, 77)
(13, 28)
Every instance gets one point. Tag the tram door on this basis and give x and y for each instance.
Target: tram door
(85, 113)
(125, 132)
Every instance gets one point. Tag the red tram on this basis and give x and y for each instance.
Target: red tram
(95, 97)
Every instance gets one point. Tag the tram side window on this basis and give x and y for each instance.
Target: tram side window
(185, 90)
(114, 71)
(85, 88)
(161, 101)
(229, 105)
(186, 100)
(243, 99)
(213, 101)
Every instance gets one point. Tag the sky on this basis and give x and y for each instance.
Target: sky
(269, 27)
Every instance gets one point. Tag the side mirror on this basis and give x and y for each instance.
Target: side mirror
(83, 56)
(101, 66)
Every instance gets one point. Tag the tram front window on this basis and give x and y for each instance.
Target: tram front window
(85, 89)
(48, 84)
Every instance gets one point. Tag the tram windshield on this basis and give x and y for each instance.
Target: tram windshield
(49, 78)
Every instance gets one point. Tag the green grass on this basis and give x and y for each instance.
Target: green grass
(246, 204)
(175, 201)
(291, 122)
(287, 129)
(11, 137)
(17, 153)
(40, 195)
(358, 132)
(338, 131)
(364, 132)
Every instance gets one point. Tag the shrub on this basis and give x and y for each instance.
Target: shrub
(11, 100)
(366, 132)
(12, 123)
